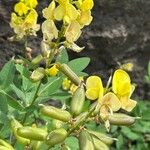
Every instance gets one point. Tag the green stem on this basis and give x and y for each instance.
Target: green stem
(74, 127)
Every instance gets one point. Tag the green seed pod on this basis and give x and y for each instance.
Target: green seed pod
(37, 60)
(36, 145)
(78, 99)
(32, 133)
(15, 125)
(65, 69)
(6, 145)
(37, 74)
(85, 141)
(56, 124)
(121, 119)
(99, 145)
(55, 113)
(4, 148)
(103, 137)
(56, 136)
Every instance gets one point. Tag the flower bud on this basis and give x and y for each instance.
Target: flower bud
(98, 144)
(85, 141)
(37, 74)
(32, 133)
(65, 69)
(78, 100)
(5, 146)
(15, 125)
(55, 113)
(121, 119)
(56, 136)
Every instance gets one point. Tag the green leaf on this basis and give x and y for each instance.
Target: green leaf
(51, 87)
(3, 103)
(18, 92)
(120, 142)
(130, 134)
(63, 56)
(7, 75)
(72, 142)
(12, 101)
(79, 64)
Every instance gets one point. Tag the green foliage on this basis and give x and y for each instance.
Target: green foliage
(147, 77)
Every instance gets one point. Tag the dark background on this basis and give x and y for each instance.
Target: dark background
(120, 32)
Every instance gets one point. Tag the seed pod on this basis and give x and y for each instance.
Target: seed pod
(37, 60)
(56, 124)
(103, 137)
(55, 113)
(4, 148)
(32, 133)
(121, 119)
(15, 125)
(85, 141)
(78, 99)
(6, 145)
(65, 69)
(56, 136)
(38, 74)
(36, 145)
(99, 145)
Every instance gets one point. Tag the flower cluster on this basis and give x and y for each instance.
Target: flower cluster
(114, 100)
(24, 19)
(70, 16)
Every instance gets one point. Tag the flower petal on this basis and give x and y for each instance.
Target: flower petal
(131, 104)
(92, 93)
(59, 13)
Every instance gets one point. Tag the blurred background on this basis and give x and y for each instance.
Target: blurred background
(119, 34)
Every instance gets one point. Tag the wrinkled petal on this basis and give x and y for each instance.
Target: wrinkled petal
(73, 32)
(49, 12)
(131, 104)
(85, 17)
(31, 3)
(59, 13)
(112, 101)
(92, 93)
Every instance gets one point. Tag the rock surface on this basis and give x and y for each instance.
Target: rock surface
(120, 32)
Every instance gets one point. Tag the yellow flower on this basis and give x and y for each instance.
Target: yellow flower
(52, 71)
(85, 18)
(109, 104)
(31, 19)
(122, 87)
(31, 3)
(65, 11)
(21, 9)
(73, 32)
(48, 12)
(49, 30)
(66, 84)
(94, 88)
(85, 5)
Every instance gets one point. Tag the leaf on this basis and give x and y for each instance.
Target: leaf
(51, 87)
(7, 75)
(149, 69)
(79, 64)
(130, 134)
(72, 142)
(18, 92)
(63, 56)
(120, 142)
(12, 101)
(3, 103)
